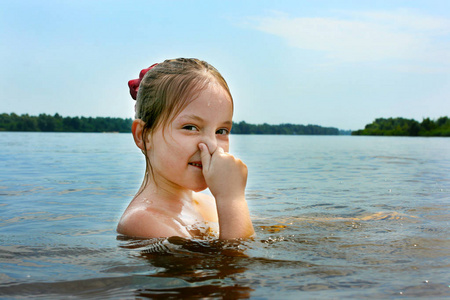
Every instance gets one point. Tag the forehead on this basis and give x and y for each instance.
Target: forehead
(212, 95)
(212, 99)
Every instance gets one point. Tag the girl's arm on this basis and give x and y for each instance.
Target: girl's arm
(226, 177)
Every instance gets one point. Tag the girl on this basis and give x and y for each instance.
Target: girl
(183, 119)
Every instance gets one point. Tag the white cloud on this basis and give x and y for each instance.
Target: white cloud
(367, 36)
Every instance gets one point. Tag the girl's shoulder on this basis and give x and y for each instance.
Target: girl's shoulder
(145, 222)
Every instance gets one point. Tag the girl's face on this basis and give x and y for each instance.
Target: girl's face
(174, 154)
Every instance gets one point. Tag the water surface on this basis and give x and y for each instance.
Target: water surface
(335, 216)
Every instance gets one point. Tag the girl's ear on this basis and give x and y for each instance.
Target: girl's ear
(137, 129)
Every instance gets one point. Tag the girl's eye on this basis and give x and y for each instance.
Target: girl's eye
(190, 127)
(223, 131)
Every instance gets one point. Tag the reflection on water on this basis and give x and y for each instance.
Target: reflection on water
(336, 217)
(358, 256)
(192, 268)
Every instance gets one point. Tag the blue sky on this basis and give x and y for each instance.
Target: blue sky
(330, 63)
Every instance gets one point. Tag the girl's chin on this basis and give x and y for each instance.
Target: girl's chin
(199, 189)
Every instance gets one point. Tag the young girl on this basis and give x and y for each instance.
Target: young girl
(183, 119)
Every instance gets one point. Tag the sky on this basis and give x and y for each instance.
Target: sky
(329, 63)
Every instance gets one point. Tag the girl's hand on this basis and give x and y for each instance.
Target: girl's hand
(225, 175)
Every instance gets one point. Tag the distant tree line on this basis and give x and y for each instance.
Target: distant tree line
(245, 128)
(407, 127)
(57, 123)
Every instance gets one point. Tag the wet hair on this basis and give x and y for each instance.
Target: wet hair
(167, 89)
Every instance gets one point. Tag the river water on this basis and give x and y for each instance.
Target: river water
(335, 216)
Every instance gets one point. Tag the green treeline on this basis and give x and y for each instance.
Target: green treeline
(381, 126)
(56, 123)
(407, 127)
(245, 128)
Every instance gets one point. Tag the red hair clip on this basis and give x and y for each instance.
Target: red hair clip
(134, 83)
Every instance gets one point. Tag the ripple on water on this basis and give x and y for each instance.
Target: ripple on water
(347, 218)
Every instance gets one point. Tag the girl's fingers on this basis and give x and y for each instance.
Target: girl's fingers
(205, 156)
(219, 151)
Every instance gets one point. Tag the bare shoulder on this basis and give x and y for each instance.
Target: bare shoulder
(206, 206)
(146, 223)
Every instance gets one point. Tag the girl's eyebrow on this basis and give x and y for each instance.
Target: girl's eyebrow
(193, 117)
(200, 119)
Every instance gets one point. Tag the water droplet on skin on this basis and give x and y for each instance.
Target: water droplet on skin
(146, 200)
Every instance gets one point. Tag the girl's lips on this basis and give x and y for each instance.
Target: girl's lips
(197, 164)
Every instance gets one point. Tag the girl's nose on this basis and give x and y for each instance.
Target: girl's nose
(211, 142)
